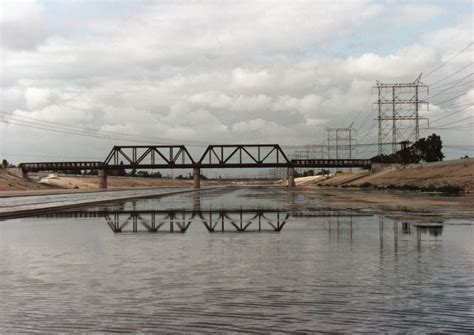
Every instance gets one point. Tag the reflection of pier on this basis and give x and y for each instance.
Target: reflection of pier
(433, 229)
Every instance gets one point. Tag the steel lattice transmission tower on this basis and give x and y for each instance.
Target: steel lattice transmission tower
(397, 103)
(342, 140)
(311, 151)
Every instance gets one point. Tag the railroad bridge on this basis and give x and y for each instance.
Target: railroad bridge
(178, 157)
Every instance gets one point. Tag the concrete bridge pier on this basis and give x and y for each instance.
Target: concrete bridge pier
(24, 174)
(291, 177)
(102, 175)
(196, 178)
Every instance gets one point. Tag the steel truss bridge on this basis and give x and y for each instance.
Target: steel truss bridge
(178, 221)
(178, 157)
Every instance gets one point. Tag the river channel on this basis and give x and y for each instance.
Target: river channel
(233, 260)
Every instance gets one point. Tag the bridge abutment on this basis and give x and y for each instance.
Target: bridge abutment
(196, 178)
(291, 177)
(102, 175)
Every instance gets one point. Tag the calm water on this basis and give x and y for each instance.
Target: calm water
(323, 271)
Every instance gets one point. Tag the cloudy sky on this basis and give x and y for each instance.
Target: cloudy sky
(80, 76)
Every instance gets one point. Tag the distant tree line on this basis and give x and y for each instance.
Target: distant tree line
(6, 164)
(120, 173)
(309, 173)
(424, 150)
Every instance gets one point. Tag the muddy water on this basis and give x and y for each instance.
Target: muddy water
(273, 262)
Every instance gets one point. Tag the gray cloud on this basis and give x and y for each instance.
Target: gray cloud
(207, 72)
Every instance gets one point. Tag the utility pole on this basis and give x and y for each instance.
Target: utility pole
(397, 103)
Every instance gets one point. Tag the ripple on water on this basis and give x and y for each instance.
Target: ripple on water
(318, 274)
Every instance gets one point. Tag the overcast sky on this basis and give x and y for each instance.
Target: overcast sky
(198, 72)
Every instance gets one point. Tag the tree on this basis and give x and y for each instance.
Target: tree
(424, 150)
(429, 149)
(5, 163)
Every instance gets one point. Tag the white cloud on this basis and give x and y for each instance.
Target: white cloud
(213, 72)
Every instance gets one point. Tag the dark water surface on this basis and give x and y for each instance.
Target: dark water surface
(305, 268)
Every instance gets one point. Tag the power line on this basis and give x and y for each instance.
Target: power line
(456, 104)
(456, 112)
(449, 60)
(448, 124)
(77, 129)
(363, 108)
(454, 81)
(48, 156)
(76, 133)
(449, 76)
(450, 99)
(438, 92)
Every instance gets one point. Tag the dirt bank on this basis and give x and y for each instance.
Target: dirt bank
(451, 176)
(11, 180)
(86, 182)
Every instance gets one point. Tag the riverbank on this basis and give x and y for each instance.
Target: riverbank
(448, 177)
(12, 181)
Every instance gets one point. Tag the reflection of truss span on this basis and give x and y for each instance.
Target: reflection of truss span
(155, 221)
(178, 157)
(243, 220)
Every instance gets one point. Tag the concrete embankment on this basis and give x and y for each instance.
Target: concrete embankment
(451, 177)
(15, 207)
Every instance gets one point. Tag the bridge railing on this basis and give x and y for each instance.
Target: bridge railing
(362, 163)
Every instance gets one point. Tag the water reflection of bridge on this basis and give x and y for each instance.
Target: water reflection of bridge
(339, 224)
(171, 221)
